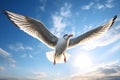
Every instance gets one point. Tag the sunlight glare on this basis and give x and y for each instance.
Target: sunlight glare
(83, 61)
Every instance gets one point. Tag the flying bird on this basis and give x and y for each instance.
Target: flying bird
(39, 31)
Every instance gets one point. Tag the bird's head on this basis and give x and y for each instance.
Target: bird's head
(66, 36)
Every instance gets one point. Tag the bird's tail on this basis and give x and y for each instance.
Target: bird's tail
(60, 59)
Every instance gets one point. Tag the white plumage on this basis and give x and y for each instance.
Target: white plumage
(37, 30)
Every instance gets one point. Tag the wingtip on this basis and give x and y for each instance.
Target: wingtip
(5, 12)
(114, 17)
(113, 20)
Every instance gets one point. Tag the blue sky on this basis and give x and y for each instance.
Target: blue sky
(23, 57)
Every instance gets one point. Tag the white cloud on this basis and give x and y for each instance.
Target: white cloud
(114, 48)
(16, 47)
(58, 24)
(26, 55)
(87, 7)
(23, 55)
(109, 1)
(99, 6)
(3, 52)
(13, 65)
(2, 68)
(106, 71)
(40, 74)
(109, 5)
(42, 8)
(60, 19)
(19, 46)
(87, 27)
(118, 19)
(6, 55)
(43, 4)
(10, 59)
(73, 30)
(29, 48)
(96, 78)
(65, 10)
(30, 56)
(61, 78)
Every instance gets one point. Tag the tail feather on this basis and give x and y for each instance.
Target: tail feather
(60, 59)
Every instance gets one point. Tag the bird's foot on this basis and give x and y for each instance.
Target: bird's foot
(65, 60)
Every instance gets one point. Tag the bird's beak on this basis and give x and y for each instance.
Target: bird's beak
(71, 35)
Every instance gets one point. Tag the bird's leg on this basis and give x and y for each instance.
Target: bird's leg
(64, 57)
(54, 59)
(54, 62)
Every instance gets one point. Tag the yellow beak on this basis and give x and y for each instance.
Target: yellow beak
(71, 35)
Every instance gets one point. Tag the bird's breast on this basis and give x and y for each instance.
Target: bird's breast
(61, 46)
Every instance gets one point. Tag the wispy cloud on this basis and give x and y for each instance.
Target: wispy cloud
(19, 46)
(88, 6)
(87, 27)
(42, 5)
(107, 71)
(26, 56)
(40, 75)
(98, 5)
(103, 71)
(114, 48)
(65, 10)
(23, 56)
(10, 59)
(13, 65)
(118, 19)
(58, 24)
(7, 58)
(60, 19)
(6, 55)
(109, 4)
(2, 68)
(109, 1)
(30, 56)
(3, 52)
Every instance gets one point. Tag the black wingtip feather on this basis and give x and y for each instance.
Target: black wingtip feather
(114, 17)
(5, 12)
(7, 15)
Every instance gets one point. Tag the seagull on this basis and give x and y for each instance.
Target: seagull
(39, 31)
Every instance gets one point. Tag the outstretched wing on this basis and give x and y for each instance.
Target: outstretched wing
(33, 27)
(92, 33)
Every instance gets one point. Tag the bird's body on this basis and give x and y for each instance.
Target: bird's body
(37, 30)
(61, 46)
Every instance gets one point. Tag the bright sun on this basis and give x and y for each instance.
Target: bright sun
(82, 61)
